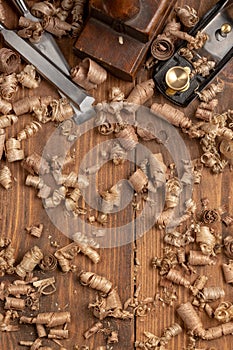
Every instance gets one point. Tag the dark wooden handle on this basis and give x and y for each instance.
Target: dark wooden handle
(121, 9)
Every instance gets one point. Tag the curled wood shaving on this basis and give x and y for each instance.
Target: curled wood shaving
(177, 277)
(30, 29)
(38, 183)
(116, 94)
(197, 258)
(35, 164)
(30, 130)
(142, 92)
(88, 74)
(8, 120)
(65, 256)
(158, 343)
(162, 48)
(25, 105)
(29, 77)
(2, 12)
(49, 319)
(228, 246)
(194, 324)
(173, 190)
(5, 325)
(178, 239)
(7, 257)
(35, 230)
(57, 197)
(172, 115)
(9, 86)
(206, 239)
(96, 328)
(14, 303)
(208, 94)
(118, 154)
(9, 60)
(6, 177)
(203, 66)
(13, 150)
(42, 9)
(86, 249)
(187, 15)
(198, 284)
(224, 312)
(157, 169)
(228, 271)
(127, 137)
(210, 216)
(95, 281)
(167, 262)
(56, 26)
(5, 106)
(29, 261)
(110, 199)
(138, 180)
(48, 262)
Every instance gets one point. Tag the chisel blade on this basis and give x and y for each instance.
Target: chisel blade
(75, 93)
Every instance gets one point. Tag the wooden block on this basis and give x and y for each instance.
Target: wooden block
(99, 39)
(143, 25)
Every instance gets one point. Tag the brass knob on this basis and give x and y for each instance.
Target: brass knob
(177, 79)
(225, 29)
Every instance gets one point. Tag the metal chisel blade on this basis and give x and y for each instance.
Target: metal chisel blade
(76, 94)
(47, 44)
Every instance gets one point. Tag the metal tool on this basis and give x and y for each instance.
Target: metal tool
(218, 25)
(51, 64)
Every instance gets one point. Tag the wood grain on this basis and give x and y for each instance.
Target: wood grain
(20, 208)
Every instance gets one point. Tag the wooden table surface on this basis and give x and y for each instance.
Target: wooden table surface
(20, 208)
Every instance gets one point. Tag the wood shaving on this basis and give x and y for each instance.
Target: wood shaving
(224, 312)
(142, 92)
(9, 60)
(2, 12)
(7, 258)
(13, 150)
(88, 74)
(48, 262)
(35, 164)
(158, 343)
(30, 29)
(44, 8)
(209, 94)
(35, 230)
(228, 246)
(8, 120)
(162, 48)
(138, 180)
(206, 239)
(187, 15)
(110, 199)
(29, 261)
(6, 177)
(172, 115)
(9, 86)
(29, 77)
(197, 258)
(30, 130)
(96, 328)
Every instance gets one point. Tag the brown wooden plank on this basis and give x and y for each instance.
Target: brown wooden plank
(20, 207)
